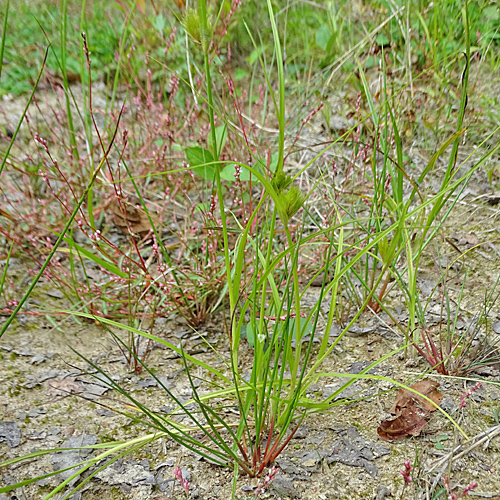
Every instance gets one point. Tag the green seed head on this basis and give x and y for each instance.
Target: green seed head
(191, 24)
(293, 200)
(280, 182)
(194, 27)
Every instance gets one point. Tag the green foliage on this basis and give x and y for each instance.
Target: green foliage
(202, 162)
(281, 182)
(287, 330)
(293, 201)
(32, 27)
(221, 140)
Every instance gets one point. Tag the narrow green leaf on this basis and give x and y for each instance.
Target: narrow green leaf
(106, 264)
(221, 138)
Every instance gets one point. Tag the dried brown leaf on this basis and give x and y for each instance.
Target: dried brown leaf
(408, 399)
(468, 240)
(64, 387)
(411, 410)
(410, 421)
(130, 217)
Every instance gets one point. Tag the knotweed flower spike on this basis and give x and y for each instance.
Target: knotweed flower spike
(406, 472)
(453, 496)
(182, 481)
(466, 395)
(267, 480)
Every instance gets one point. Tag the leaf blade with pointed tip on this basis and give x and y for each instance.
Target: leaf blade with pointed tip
(202, 162)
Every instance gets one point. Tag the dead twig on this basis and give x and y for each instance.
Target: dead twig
(461, 450)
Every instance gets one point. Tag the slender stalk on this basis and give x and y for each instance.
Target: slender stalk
(60, 239)
(72, 137)
(296, 290)
(205, 41)
(281, 80)
(5, 269)
(126, 23)
(87, 112)
(442, 198)
(4, 34)
(20, 122)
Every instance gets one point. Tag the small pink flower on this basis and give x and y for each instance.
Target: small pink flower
(453, 496)
(182, 481)
(467, 394)
(406, 473)
(269, 477)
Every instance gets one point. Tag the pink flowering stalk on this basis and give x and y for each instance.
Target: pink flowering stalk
(453, 496)
(182, 481)
(406, 472)
(466, 395)
(267, 480)
(468, 488)
(304, 123)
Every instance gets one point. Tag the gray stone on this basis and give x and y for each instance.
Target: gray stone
(41, 357)
(302, 432)
(359, 366)
(351, 449)
(36, 412)
(70, 458)
(93, 391)
(104, 412)
(287, 466)
(283, 486)
(448, 404)
(328, 390)
(317, 438)
(310, 461)
(166, 485)
(186, 474)
(37, 435)
(34, 380)
(358, 331)
(380, 450)
(426, 287)
(147, 382)
(127, 473)
(10, 433)
(166, 382)
(382, 493)
(248, 488)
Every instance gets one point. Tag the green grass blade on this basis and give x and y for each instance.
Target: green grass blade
(106, 264)
(4, 35)
(11, 143)
(5, 269)
(281, 85)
